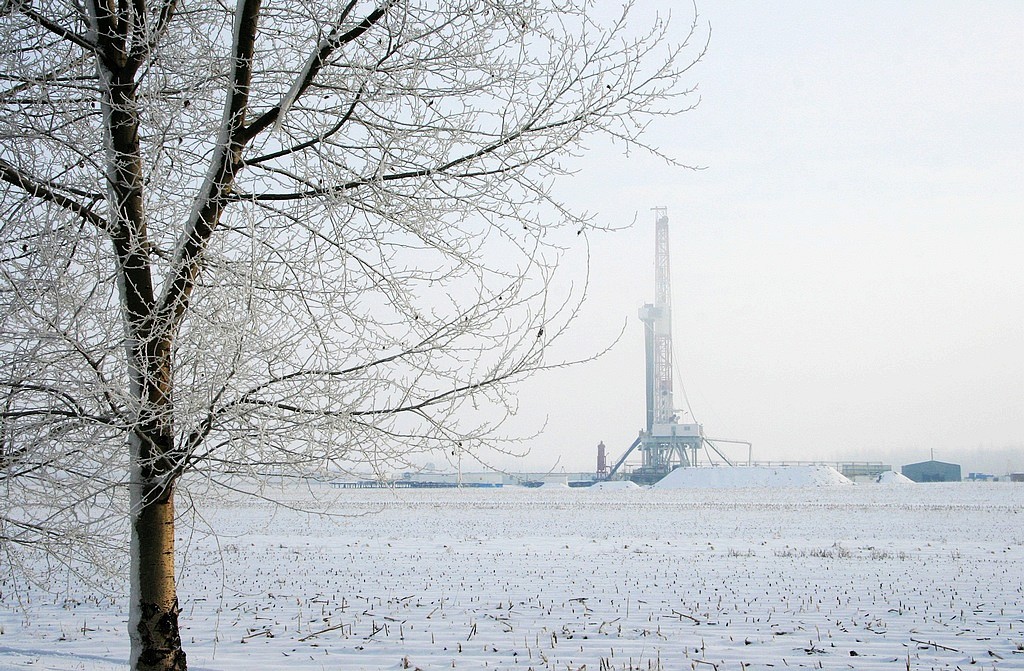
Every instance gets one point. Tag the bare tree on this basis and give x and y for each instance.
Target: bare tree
(282, 235)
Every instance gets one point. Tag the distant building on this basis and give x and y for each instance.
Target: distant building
(932, 471)
(435, 479)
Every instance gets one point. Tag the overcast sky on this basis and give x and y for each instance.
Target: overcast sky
(846, 271)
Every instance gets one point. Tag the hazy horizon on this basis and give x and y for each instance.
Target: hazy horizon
(846, 280)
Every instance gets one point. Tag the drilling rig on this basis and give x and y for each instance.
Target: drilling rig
(665, 443)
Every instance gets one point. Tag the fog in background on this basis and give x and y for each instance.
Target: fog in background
(846, 270)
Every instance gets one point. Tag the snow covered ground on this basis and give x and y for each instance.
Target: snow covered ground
(823, 577)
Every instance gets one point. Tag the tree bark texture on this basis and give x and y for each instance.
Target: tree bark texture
(156, 641)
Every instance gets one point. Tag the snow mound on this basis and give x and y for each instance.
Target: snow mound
(753, 476)
(615, 484)
(893, 478)
(555, 485)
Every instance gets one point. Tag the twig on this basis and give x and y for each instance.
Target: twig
(935, 645)
(688, 617)
(262, 632)
(322, 631)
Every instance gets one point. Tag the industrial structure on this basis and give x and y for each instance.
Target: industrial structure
(602, 461)
(664, 444)
(932, 471)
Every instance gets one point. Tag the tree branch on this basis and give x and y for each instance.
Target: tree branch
(25, 8)
(38, 189)
(220, 177)
(328, 45)
(313, 141)
(145, 46)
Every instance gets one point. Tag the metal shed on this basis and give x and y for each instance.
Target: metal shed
(932, 471)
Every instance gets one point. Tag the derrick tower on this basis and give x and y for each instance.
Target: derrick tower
(657, 320)
(665, 443)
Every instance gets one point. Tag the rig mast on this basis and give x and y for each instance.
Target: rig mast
(665, 443)
(657, 319)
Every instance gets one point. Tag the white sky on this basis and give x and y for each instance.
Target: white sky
(847, 270)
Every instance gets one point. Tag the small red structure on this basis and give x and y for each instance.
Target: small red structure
(602, 460)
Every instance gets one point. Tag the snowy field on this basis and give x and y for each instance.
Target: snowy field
(826, 577)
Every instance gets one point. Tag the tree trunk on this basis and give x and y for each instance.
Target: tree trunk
(153, 619)
(153, 623)
(153, 611)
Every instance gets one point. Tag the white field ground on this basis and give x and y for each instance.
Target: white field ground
(827, 577)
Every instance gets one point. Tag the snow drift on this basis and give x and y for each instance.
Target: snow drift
(753, 476)
(893, 478)
(615, 485)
